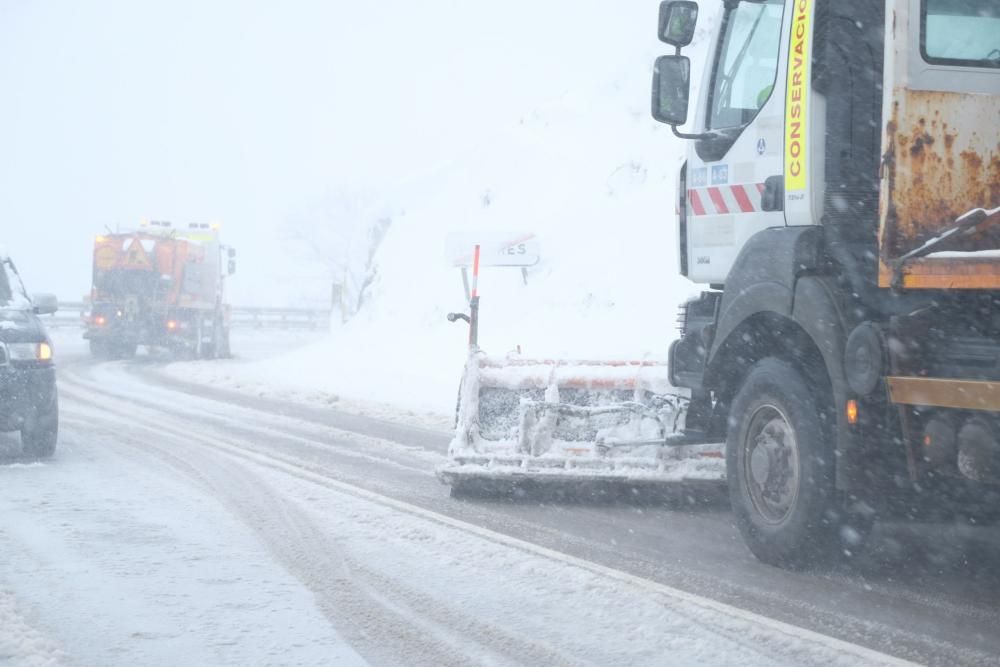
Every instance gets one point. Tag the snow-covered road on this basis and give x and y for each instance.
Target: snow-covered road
(188, 525)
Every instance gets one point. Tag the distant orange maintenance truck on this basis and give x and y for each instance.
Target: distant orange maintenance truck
(160, 286)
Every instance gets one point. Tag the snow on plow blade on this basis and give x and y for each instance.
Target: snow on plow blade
(573, 420)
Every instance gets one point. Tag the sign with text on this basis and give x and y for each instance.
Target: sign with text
(496, 248)
(796, 116)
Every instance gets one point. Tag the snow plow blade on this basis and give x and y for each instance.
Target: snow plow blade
(595, 421)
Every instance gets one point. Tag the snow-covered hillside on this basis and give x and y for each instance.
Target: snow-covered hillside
(587, 171)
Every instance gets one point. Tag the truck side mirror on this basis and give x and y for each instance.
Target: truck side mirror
(677, 22)
(232, 253)
(671, 88)
(45, 304)
(232, 266)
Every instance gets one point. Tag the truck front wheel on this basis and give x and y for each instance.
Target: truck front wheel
(780, 467)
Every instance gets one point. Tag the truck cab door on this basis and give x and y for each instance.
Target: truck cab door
(742, 106)
(940, 142)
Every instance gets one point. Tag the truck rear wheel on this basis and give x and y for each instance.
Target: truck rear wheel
(198, 350)
(780, 468)
(225, 351)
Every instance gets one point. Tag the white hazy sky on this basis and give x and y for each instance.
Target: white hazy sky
(246, 111)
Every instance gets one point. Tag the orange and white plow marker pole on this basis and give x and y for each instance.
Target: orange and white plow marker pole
(473, 317)
(474, 303)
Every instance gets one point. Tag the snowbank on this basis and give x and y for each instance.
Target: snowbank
(22, 644)
(607, 285)
(590, 174)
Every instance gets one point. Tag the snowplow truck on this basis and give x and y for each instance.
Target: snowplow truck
(840, 201)
(160, 286)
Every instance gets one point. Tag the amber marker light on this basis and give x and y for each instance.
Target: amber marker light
(852, 412)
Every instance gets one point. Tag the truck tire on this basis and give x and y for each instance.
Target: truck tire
(216, 349)
(41, 431)
(199, 337)
(780, 468)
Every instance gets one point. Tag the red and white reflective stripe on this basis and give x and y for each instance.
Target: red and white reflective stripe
(697, 208)
(725, 199)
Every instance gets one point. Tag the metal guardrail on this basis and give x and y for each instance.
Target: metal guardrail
(73, 313)
(245, 317)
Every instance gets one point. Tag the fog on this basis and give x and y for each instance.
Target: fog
(244, 113)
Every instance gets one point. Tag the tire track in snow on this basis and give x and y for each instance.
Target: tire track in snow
(846, 621)
(858, 653)
(247, 423)
(397, 596)
(381, 617)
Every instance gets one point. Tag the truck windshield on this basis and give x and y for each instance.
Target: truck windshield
(961, 32)
(746, 65)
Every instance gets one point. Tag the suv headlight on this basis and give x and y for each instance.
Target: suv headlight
(29, 351)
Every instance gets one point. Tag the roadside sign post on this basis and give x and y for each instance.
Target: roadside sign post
(510, 249)
(465, 283)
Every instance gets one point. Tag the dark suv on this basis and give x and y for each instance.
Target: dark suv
(28, 399)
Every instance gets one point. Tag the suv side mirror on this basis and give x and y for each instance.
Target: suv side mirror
(231, 252)
(671, 88)
(232, 266)
(45, 304)
(677, 22)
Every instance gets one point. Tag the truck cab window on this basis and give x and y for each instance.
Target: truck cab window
(961, 32)
(746, 63)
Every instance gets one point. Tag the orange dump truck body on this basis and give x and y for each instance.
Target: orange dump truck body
(178, 271)
(154, 285)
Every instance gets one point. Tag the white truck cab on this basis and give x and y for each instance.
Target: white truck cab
(839, 201)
